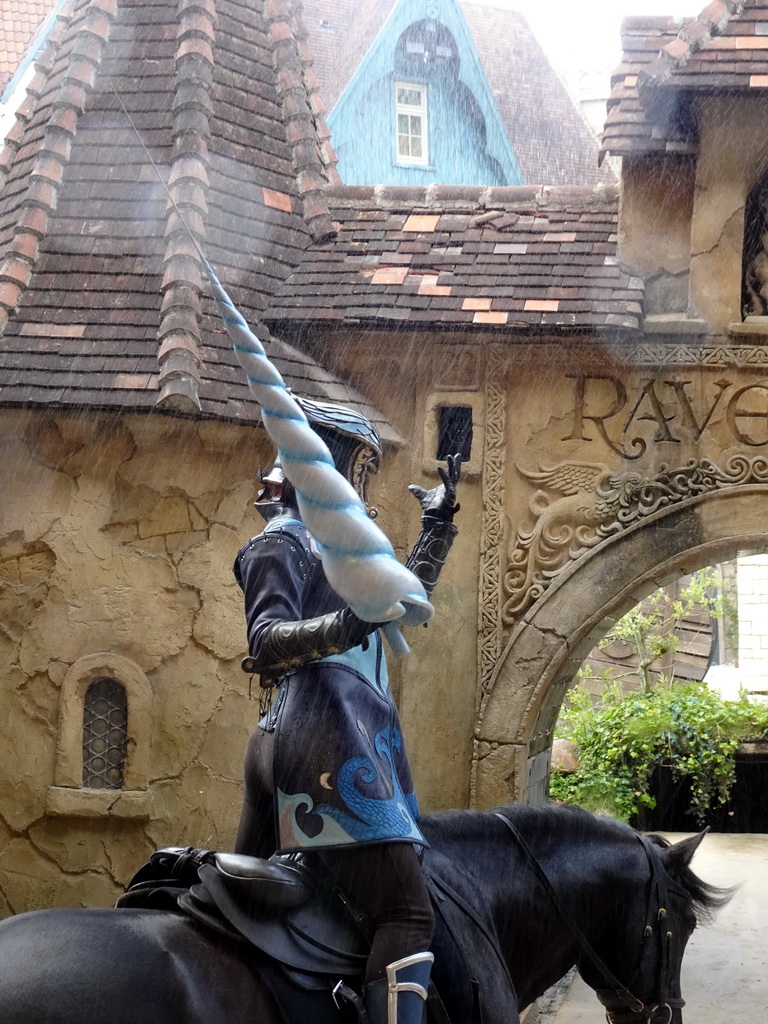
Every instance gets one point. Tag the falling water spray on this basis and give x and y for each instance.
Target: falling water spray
(358, 559)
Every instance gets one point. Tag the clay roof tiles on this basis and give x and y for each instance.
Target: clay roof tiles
(629, 128)
(19, 24)
(724, 48)
(340, 32)
(525, 258)
(102, 299)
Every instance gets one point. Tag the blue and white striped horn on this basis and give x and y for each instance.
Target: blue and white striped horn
(358, 559)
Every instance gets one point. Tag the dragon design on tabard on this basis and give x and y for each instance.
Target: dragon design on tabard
(370, 818)
(593, 502)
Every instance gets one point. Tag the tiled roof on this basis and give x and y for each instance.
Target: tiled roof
(19, 21)
(339, 34)
(102, 300)
(726, 48)
(629, 129)
(547, 131)
(665, 61)
(505, 259)
(549, 135)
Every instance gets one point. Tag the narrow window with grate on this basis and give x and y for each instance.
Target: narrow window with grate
(105, 734)
(454, 432)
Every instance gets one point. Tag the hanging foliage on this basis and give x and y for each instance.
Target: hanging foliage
(685, 727)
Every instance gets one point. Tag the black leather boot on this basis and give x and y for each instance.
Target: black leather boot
(401, 997)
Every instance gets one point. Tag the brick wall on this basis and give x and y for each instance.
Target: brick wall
(752, 584)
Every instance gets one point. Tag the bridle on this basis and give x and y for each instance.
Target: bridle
(621, 1006)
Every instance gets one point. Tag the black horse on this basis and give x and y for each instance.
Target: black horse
(557, 888)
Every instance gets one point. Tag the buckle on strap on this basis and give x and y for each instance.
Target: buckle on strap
(343, 991)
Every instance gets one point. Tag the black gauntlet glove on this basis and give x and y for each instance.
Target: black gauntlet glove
(437, 530)
(439, 502)
(289, 645)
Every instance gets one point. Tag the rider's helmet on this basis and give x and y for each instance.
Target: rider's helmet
(354, 444)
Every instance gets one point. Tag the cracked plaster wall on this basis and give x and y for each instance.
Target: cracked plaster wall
(682, 217)
(118, 535)
(655, 228)
(733, 154)
(681, 223)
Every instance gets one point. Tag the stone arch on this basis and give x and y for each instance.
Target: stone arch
(544, 650)
(68, 796)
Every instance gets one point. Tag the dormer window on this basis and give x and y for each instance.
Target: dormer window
(411, 118)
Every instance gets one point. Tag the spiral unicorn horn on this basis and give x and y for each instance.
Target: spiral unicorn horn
(357, 557)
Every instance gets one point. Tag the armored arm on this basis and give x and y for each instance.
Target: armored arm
(284, 646)
(273, 571)
(437, 530)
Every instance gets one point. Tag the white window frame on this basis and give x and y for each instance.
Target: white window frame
(412, 111)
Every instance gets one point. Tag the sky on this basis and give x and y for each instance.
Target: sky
(586, 33)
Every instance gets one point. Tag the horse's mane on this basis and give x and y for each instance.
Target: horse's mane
(555, 818)
(571, 821)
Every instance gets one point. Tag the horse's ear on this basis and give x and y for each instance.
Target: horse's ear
(677, 857)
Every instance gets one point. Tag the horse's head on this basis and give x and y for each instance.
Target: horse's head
(659, 925)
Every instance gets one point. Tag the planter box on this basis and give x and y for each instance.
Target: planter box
(747, 810)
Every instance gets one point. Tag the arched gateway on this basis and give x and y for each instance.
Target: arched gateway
(547, 646)
(622, 469)
(628, 464)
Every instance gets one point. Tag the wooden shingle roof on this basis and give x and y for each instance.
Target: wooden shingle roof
(512, 259)
(102, 298)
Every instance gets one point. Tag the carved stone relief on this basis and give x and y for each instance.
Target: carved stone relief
(661, 354)
(456, 366)
(592, 503)
(632, 419)
(492, 532)
(494, 463)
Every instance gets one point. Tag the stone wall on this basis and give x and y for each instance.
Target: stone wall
(116, 541)
(655, 240)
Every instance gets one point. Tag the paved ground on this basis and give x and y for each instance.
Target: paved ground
(724, 970)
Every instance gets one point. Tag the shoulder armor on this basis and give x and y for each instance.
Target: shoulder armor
(281, 526)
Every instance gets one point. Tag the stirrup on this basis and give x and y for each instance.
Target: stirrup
(400, 998)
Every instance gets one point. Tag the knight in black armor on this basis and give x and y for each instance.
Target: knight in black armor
(326, 768)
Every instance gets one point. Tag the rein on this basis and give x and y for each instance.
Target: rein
(657, 895)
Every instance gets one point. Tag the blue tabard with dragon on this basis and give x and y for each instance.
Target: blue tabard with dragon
(340, 770)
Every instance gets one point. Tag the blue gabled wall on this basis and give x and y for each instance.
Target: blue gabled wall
(467, 141)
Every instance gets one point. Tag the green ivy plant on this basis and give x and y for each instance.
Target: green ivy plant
(683, 726)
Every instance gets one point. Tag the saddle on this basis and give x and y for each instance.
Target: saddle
(311, 942)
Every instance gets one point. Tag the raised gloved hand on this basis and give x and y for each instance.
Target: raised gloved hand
(439, 502)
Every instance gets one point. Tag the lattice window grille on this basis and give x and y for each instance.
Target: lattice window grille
(105, 734)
